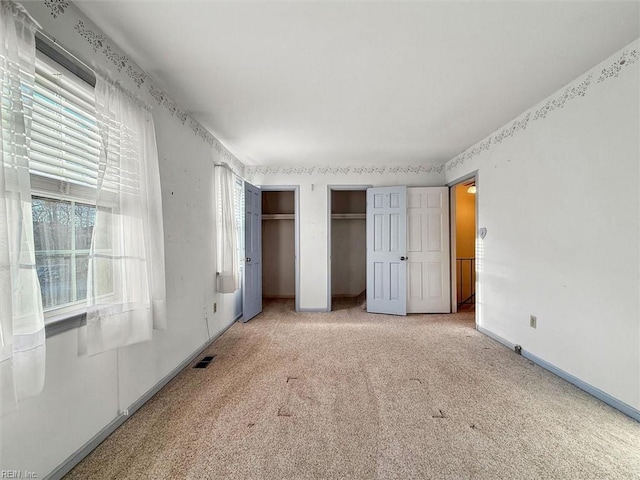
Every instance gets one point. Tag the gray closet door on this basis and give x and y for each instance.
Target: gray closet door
(252, 298)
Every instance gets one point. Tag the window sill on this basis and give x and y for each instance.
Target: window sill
(63, 322)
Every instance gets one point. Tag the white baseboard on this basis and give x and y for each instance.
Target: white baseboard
(590, 389)
(66, 466)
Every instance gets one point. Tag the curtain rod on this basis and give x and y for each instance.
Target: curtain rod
(59, 54)
(224, 165)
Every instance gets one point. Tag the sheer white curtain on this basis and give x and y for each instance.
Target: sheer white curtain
(227, 232)
(22, 335)
(126, 281)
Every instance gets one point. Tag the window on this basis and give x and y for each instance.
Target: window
(62, 233)
(65, 148)
(229, 209)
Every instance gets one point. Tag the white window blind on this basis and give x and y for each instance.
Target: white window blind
(65, 143)
(239, 204)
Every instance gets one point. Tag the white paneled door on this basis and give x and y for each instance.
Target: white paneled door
(408, 263)
(386, 250)
(428, 267)
(252, 298)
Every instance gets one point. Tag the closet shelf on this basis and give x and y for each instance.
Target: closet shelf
(278, 216)
(349, 216)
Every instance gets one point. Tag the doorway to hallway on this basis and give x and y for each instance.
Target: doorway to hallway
(463, 219)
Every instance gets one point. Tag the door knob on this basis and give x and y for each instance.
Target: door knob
(404, 258)
(248, 259)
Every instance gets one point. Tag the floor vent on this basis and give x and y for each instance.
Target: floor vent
(204, 363)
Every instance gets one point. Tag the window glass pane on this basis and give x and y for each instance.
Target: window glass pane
(62, 232)
(85, 217)
(54, 273)
(82, 267)
(52, 224)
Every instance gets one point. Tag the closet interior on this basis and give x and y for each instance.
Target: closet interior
(278, 244)
(348, 244)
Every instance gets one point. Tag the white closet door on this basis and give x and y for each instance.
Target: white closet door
(386, 250)
(428, 267)
(252, 298)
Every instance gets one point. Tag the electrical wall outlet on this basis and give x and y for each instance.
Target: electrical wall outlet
(533, 321)
(215, 307)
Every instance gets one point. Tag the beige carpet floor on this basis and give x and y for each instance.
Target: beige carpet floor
(350, 395)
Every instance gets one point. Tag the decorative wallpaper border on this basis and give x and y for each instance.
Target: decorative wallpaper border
(100, 43)
(57, 7)
(361, 170)
(555, 102)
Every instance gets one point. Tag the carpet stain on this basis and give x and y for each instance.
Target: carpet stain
(441, 414)
(284, 412)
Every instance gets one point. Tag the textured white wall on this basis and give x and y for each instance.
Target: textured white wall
(559, 197)
(79, 398)
(84, 394)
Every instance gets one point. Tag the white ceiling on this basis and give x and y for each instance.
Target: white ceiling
(329, 83)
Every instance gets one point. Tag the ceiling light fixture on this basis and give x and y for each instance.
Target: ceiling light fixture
(471, 189)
